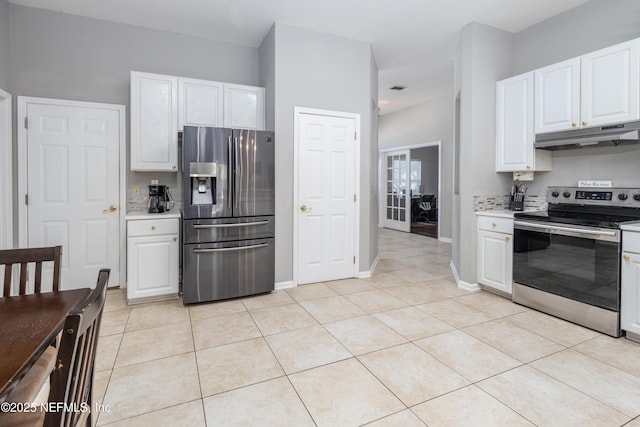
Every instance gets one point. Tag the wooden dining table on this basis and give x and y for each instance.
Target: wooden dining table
(28, 324)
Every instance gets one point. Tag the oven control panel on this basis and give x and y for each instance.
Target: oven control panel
(625, 197)
(594, 195)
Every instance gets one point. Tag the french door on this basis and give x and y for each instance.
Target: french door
(397, 195)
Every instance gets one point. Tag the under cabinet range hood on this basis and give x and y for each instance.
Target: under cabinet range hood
(612, 135)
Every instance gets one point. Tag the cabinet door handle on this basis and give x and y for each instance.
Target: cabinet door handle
(574, 124)
(584, 123)
(175, 238)
(626, 257)
(507, 238)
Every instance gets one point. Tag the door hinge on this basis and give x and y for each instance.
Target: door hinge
(354, 259)
(355, 135)
(26, 122)
(354, 197)
(26, 199)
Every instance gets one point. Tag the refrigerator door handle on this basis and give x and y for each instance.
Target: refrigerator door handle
(236, 170)
(229, 190)
(239, 248)
(242, 224)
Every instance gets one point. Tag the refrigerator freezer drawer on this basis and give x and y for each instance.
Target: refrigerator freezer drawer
(216, 271)
(228, 229)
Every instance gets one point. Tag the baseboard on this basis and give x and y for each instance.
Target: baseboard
(445, 239)
(284, 285)
(461, 283)
(372, 269)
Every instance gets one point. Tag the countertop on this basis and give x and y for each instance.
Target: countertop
(631, 226)
(502, 213)
(138, 215)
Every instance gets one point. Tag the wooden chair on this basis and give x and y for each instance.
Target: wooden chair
(72, 378)
(24, 257)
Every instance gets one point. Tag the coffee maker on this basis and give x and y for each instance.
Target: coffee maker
(159, 198)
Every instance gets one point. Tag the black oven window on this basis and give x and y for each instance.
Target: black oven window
(580, 269)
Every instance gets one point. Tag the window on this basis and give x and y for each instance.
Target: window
(416, 176)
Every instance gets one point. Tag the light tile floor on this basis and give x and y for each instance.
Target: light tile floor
(405, 347)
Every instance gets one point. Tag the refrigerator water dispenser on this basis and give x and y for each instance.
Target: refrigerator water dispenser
(203, 182)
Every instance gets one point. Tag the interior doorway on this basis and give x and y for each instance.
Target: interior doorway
(421, 188)
(71, 179)
(326, 196)
(425, 184)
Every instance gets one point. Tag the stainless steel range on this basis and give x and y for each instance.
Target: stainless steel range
(566, 260)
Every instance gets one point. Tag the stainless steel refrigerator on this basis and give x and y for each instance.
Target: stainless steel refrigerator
(228, 213)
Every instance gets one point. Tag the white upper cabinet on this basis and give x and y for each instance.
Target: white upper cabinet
(244, 107)
(154, 122)
(610, 82)
(514, 127)
(201, 103)
(557, 96)
(162, 105)
(596, 89)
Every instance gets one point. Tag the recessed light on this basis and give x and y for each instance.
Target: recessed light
(398, 87)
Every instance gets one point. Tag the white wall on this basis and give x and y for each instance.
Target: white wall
(430, 121)
(267, 75)
(594, 25)
(321, 71)
(4, 45)
(484, 57)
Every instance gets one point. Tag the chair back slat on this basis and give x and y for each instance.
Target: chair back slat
(72, 378)
(8, 269)
(25, 257)
(23, 278)
(38, 279)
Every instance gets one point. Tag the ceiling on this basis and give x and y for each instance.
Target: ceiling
(414, 41)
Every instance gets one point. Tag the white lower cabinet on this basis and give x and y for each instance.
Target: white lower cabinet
(630, 285)
(153, 249)
(495, 253)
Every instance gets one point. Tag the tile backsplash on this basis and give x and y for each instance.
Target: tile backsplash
(499, 202)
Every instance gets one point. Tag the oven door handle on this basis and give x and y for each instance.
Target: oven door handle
(239, 224)
(237, 248)
(567, 229)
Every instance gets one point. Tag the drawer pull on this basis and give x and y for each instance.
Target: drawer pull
(153, 227)
(493, 225)
(239, 248)
(240, 224)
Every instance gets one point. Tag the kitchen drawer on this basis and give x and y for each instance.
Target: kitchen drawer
(631, 242)
(152, 227)
(499, 225)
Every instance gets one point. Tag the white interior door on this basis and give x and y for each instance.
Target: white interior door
(397, 197)
(73, 187)
(327, 198)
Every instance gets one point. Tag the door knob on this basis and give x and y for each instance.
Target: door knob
(304, 208)
(111, 208)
